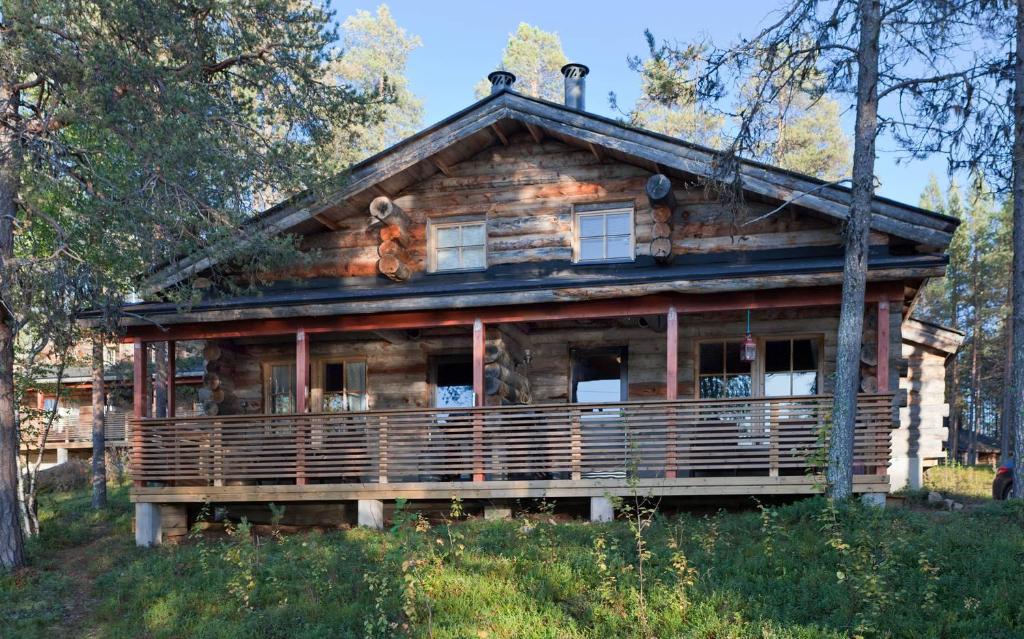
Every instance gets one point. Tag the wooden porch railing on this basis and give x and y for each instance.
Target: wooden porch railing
(746, 437)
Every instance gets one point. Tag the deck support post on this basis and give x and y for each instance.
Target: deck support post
(148, 531)
(371, 514)
(301, 390)
(601, 509)
(171, 373)
(479, 398)
(671, 386)
(62, 455)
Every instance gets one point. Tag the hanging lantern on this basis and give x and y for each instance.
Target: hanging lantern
(748, 352)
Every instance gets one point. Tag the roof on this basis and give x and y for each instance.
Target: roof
(935, 336)
(472, 129)
(539, 282)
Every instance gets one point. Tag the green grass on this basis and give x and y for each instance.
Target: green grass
(967, 484)
(803, 570)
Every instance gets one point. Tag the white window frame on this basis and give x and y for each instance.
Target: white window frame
(603, 211)
(434, 226)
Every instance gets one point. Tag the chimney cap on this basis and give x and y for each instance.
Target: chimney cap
(575, 69)
(501, 80)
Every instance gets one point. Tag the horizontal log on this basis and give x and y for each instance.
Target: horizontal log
(659, 191)
(393, 268)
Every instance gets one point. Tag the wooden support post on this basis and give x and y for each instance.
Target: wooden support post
(479, 398)
(301, 390)
(139, 396)
(172, 404)
(883, 346)
(671, 386)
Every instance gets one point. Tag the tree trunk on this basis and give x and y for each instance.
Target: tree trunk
(1017, 376)
(855, 267)
(12, 543)
(99, 434)
(972, 451)
(1007, 427)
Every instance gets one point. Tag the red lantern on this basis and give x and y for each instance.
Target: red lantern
(748, 352)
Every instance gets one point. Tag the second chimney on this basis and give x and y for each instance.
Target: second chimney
(575, 85)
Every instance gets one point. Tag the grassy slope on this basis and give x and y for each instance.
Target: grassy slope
(797, 571)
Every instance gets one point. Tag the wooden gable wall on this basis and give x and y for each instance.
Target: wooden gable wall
(526, 191)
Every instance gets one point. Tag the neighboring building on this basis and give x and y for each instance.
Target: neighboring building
(71, 432)
(529, 300)
(918, 442)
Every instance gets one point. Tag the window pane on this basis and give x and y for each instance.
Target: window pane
(805, 356)
(334, 402)
(472, 234)
(618, 247)
(618, 224)
(777, 385)
(591, 225)
(739, 386)
(711, 358)
(712, 387)
(356, 401)
(733, 363)
(776, 357)
(332, 378)
(282, 378)
(592, 249)
(447, 259)
(447, 236)
(355, 377)
(805, 383)
(473, 257)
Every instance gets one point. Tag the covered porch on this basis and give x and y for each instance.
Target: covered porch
(674, 429)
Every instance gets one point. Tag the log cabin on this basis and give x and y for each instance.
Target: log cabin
(529, 300)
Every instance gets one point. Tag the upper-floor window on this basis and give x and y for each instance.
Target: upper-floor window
(604, 234)
(457, 246)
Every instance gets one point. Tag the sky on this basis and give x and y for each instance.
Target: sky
(463, 41)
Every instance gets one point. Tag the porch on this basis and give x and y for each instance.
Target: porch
(683, 447)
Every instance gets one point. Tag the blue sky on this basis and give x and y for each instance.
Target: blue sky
(462, 43)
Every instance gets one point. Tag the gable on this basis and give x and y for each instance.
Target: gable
(508, 120)
(526, 192)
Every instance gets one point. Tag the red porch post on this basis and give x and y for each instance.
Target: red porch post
(139, 396)
(883, 346)
(171, 373)
(301, 390)
(479, 398)
(671, 386)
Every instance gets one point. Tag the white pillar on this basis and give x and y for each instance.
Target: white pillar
(371, 513)
(62, 455)
(497, 511)
(601, 509)
(873, 499)
(147, 525)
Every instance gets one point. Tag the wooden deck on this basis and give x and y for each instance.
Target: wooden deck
(689, 447)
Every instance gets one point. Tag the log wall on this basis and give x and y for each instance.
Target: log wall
(398, 366)
(526, 192)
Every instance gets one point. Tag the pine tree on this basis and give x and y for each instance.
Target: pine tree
(536, 58)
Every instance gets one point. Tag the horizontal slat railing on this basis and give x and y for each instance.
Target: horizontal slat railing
(748, 436)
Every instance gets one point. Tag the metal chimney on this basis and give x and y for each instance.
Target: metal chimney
(501, 81)
(575, 85)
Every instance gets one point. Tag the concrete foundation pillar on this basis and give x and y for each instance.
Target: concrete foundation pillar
(147, 525)
(601, 509)
(497, 511)
(371, 513)
(62, 455)
(873, 499)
